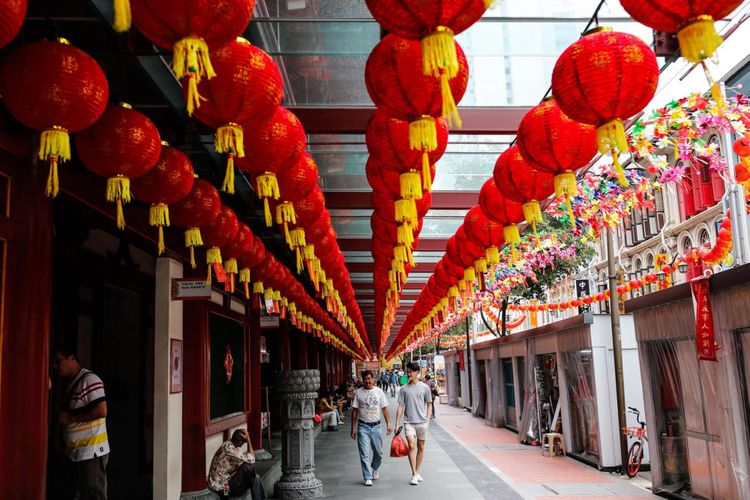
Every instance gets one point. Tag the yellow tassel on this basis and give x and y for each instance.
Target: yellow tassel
(230, 266)
(213, 256)
(426, 174)
(193, 237)
(423, 134)
(619, 171)
(532, 212)
(229, 139)
(405, 235)
(257, 287)
(698, 39)
(492, 254)
(160, 246)
(469, 275)
(209, 274)
(565, 186)
(480, 265)
(411, 185)
(158, 215)
(118, 190)
(439, 53)
(54, 146)
(285, 215)
(406, 211)
(122, 16)
(191, 59)
(399, 253)
(462, 285)
(268, 187)
(453, 291)
(513, 237)
(244, 279)
(192, 258)
(450, 111)
(228, 184)
(611, 136)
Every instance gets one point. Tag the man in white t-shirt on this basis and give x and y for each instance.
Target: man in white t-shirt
(369, 402)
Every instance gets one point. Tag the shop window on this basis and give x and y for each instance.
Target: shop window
(686, 244)
(227, 367)
(704, 237)
(641, 224)
(510, 394)
(583, 411)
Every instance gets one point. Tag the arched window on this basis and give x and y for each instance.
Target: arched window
(704, 237)
(686, 244)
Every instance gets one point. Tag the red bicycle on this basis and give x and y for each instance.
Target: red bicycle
(635, 453)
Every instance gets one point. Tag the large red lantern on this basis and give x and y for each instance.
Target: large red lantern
(219, 232)
(397, 85)
(57, 89)
(550, 141)
(124, 144)
(272, 148)
(198, 209)
(191, 29)
(692, 21)
(247, 90)
(388, 141)
(407, 184)
(168, 182)
(485, 232)
(232, 253)
(299, 180)
(602, 79)
(249, 260)
(12, 14)
(520, 182)
(502, 210)
(434, 23)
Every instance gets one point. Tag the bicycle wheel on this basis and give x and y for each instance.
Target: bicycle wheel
(635, 457)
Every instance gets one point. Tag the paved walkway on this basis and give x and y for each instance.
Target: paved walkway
(465, 460)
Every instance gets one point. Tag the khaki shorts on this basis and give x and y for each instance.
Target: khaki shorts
(416, 430)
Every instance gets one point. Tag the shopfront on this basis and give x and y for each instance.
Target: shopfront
(696, 409)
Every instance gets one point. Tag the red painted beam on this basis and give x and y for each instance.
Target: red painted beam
(447, 200)
(366, 267)
(353, 120)
(362, 244)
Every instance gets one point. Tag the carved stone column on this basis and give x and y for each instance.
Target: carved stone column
(298, 389)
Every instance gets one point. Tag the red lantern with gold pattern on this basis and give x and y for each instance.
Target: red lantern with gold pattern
(232, 253)
(388, 141)
(124, 144)
(407, 184)
(434, 23)
(221, 231)
(272, 149)
(198, 209)
(692, 21)
(520, 182)
(550, 141)
(502, 210)
(602, 79)
(247, 90)
(168, 182)
(12, 14)
(396, 84)
(485, 232)
(56, 89)
(191, 30)
(299, 180)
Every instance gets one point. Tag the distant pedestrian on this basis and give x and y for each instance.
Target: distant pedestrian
(415, 405)
(84, 425)
(369, 402)
(393, 383)
(430, 381)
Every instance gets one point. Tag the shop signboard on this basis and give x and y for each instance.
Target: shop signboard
(269, 321)
(190, 289)
(583, 290)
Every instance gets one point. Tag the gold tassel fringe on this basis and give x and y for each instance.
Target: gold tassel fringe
(619, 171)
(423, 134)
(284, 216)
(123, 17)
(566, 187)
(118, 190)
(230, 266)
(532, 212)
(411, 185)
(158, 215)
(426, 174)
(439, 53)
(193, 239)
(191, 59)
(450, 110)
(54, 145)
(469, 275)
(406, 211)
(492, 254)
(698, 39)
(268, 187)
(229, 139)
(611, 136)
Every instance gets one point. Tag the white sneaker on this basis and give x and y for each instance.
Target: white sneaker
(375, 474)
(420, 478)
(414, 481)
(368, 482)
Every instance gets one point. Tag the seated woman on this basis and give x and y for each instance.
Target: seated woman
(232, 472)
(329, 414)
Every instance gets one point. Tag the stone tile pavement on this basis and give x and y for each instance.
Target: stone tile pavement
(465, 460)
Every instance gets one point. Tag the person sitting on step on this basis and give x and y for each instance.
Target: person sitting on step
(232, 471)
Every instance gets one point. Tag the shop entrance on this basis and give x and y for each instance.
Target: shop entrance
(509, 393)
(103, 306)
(482, 403)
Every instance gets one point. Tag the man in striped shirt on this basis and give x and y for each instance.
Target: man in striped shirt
(84, 426)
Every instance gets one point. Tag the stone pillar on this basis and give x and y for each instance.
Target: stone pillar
(298, 390)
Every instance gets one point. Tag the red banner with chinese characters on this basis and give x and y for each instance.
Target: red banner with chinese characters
(461, 366)
(705, 338)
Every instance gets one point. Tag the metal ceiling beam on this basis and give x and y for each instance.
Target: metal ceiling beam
(365, 267)
(353, 120)
(423, 245)
(445, 200)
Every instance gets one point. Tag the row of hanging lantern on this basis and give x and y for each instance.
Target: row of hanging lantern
(415, 76)
(599, 82)
(229, 85)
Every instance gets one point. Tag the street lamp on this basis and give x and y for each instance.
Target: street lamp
(682, 267)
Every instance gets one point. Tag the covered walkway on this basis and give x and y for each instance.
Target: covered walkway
(466, 460)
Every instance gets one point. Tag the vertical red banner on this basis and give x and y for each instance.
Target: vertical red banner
(705, 336)
(461, 366)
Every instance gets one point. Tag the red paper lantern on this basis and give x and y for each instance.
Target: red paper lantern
(233, 252)
(198, 209)
(191, 29)
(505, 212)
(400, 210)
(396, 84)
(248, 261)
(692, 21)
(485, 232)
(124, 144)
(388, 141)
(520, 182)
(221, 231)
(56, 89)
(407, 184)
(168, 182)
(246, 91)
(552, 142)
(12, 14)
(272, 148)
(603, 78)
(299, 180)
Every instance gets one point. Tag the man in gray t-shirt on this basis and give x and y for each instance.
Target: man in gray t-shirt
(415, 405)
